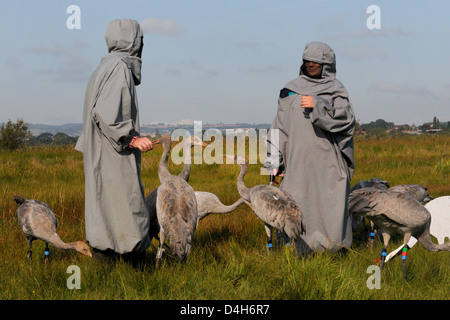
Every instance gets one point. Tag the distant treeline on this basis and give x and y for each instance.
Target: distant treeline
(58, 139)
(380, 123)
(380, 128)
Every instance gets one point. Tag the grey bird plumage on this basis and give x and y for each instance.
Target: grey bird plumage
(395, 213)
(150, 200)
(176, 209)
(275, 207)
(372, 183)
(358, 220)
(208, 203)
(38, 221)
(418, 192)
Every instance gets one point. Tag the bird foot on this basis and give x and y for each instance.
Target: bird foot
(159, 257)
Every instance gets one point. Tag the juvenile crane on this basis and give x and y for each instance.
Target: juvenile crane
(150, 200)
(394, 212)
(176, 209)
(38, 221)
(275, 207)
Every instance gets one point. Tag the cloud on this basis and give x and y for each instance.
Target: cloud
(12, 61)
(273, 68)
(247, 45)
(366, 34)
(54, 50)
(363, 51)
(197, 66)
(66, 63)
(164, 27)
(390, 87)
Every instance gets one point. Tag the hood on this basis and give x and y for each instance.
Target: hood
(320, 52)
(125, 38)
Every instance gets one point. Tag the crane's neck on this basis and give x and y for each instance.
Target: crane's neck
(242, 189)
(425, 240)
(224, 208)
(186, 172)
(163, 170)
(56, 242)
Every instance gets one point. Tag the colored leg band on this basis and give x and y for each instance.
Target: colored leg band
(404, 253)
(372, 234)
(47, 253)
(269, 245)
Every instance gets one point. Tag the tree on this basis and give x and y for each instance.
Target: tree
(60, 138)
(13, 136)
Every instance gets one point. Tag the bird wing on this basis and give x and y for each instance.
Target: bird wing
(37, 219)
(400, 208)
(276, 208)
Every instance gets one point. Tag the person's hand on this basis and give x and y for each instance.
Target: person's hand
(307, 102)
(276, 173)
(144, 144)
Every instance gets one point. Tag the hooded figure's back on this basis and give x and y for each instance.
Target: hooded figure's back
(115, 212)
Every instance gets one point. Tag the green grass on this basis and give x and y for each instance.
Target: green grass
(229, 258)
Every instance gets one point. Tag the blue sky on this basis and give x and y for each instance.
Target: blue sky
(225, 61)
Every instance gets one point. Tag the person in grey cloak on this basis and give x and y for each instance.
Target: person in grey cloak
(311, 146)
(116, 218)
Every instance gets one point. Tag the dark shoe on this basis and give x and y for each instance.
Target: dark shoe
(104, 256)
(136, 259)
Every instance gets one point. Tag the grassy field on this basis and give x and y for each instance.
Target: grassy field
(229, 258)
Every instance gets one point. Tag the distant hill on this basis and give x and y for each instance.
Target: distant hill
(74, 129)
(71, 129)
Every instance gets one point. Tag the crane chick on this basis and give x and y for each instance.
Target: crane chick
(395, 213)
(176, 209)
(38, 221)
(275, 207)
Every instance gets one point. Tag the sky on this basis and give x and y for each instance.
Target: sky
(226, 61)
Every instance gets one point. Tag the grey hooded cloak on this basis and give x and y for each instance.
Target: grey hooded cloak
(314, 147)
(115, 213)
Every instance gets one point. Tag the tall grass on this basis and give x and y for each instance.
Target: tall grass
(229, 258)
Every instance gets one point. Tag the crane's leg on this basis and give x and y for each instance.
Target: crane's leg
(405, 253)
(371, 235)
(160, 252)
(287, 240)
(386, 238)
(269, 236)
(282, 236)
(29, 253)
(46, 253)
